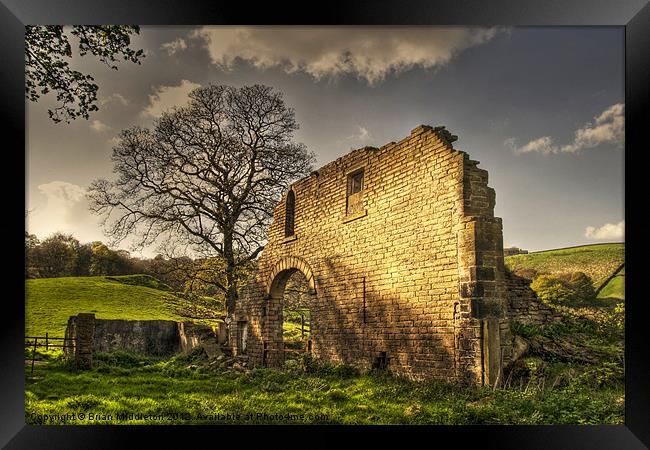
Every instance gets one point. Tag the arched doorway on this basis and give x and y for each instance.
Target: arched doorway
(289, 308)
(296, 315)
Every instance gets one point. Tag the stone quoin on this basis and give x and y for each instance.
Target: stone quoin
(404, 260)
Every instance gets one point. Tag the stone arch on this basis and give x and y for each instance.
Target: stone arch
(281, 272)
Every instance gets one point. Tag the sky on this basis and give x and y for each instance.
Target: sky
(541, 108)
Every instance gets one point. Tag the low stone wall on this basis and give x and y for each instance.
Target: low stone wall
(523, 304)
(146, 337)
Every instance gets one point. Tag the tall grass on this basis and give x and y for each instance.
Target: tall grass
(188, 390)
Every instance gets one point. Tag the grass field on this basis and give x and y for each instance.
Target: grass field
(49, 302)
(184, 390)
(598, 261)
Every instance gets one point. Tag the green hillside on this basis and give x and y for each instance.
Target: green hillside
(615, 288)
(598, 261)
(49, 302)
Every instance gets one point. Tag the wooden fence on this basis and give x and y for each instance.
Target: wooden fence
(47, 341)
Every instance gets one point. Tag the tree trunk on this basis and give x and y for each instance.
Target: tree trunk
(231, 276)
(231, 297)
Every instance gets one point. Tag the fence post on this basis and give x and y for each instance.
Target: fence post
(47, 342)
(70, 337)
(34, 354)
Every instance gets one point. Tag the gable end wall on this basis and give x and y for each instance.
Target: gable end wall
(417, 274)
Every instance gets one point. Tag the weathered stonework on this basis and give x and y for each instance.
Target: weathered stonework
(524, 306)
(147, 337)
(81, 332)
(409, 271)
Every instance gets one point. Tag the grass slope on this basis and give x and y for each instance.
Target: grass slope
(598, 261)
(49, 302)
(615, 288)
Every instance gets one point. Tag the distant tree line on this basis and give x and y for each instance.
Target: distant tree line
(62, 255)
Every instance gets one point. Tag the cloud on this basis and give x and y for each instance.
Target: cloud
(114, 98)
(166, 97)
(65, 209)
(63, 192)
(174, 46)
(607, 128)
(369, 53)
(607, 231)
(543, 145)
(99, 126)
(362, 135)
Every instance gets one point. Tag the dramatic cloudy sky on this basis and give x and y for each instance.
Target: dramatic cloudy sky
(541, 109)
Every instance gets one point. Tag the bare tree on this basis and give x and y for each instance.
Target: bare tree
(208, 175)
(296, 292)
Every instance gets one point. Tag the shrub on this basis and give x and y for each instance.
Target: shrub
(553, 290)
(565, 289)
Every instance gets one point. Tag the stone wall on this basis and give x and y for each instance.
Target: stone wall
(413, 276)
(523, 304)
(147, 337)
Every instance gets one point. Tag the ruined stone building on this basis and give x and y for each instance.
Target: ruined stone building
(404, 260)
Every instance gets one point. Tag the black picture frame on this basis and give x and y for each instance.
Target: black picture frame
(634, 15)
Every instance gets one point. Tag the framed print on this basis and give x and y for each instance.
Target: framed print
(379, 215)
